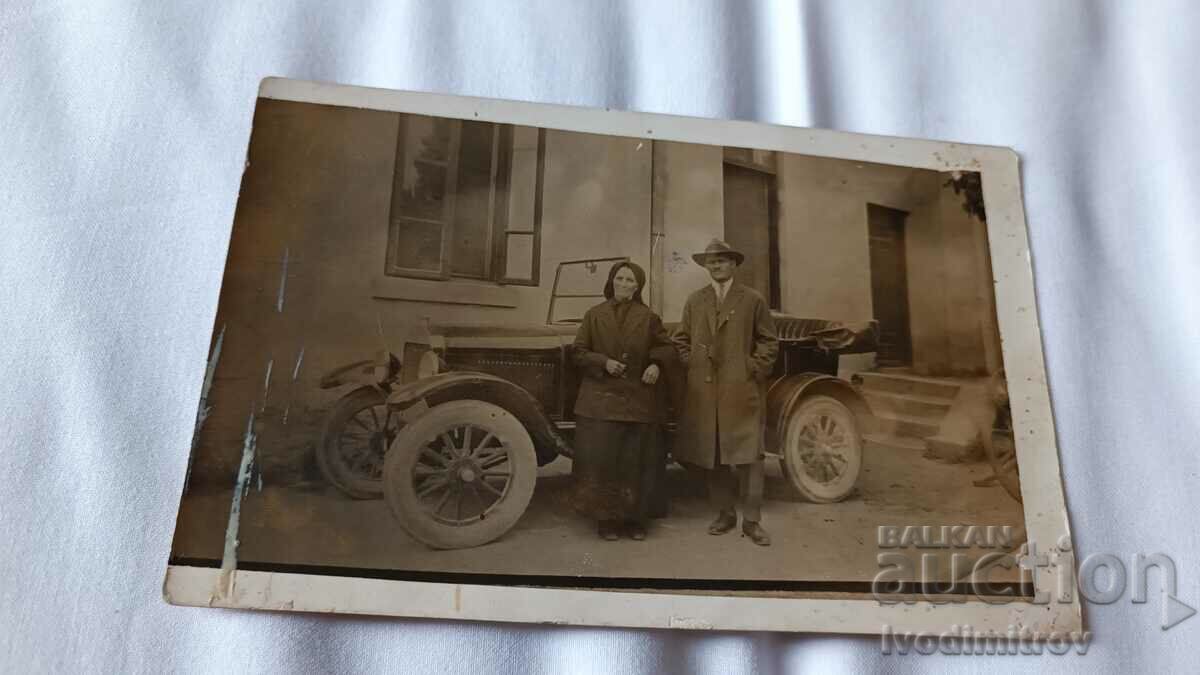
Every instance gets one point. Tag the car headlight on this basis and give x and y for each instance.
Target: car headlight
(429, 365)
(382, 368)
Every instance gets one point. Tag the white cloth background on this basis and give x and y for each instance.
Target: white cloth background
(123, 128)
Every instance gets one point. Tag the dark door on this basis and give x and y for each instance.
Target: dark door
(750, 228)
(889, 284)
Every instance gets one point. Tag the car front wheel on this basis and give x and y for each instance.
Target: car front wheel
(461, 474)
(822, 449)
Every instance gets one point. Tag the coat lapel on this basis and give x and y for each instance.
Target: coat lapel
(630, 329)
(710, 310)
(732, 297)
(624, 333)
(608, 320)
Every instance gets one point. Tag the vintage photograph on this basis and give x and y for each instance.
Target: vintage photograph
(454, 349)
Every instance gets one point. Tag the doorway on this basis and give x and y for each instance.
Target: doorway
(889, 284)
(751, 227)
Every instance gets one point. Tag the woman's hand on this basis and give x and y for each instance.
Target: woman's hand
(650, 376)
(615, 368)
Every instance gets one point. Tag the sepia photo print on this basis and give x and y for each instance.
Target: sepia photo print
(521, 351)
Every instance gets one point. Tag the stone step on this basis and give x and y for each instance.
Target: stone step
(953, 450)
(896, 443)
(907, 404)
(898, 424)
(895, 383)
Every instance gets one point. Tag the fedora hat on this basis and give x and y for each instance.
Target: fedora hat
(717, 246)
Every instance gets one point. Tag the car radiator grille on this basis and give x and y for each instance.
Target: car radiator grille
(536, 373)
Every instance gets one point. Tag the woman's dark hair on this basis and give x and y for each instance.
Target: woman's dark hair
(638, 273)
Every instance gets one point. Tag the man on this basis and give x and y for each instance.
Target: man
(727, 340)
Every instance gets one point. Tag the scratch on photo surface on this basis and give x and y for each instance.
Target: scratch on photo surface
(299, 360)
(204, 409)
(677, 262)
(295, 375)
(267, 384)
(225, 581)
(379, 327)
(282, 280)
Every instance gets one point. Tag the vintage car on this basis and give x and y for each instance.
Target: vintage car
(453, 429)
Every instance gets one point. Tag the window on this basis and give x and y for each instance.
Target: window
(751, 158)
(466, 201)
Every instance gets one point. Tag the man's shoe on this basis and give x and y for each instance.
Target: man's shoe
(756, 533)
(725, 521)
(609, 530)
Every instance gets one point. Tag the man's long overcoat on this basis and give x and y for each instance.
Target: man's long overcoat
(729, 351)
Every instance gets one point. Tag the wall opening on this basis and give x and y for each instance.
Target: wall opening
(889, 284)
(751, 226)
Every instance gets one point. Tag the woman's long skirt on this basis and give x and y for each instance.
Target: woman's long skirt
(618, 469)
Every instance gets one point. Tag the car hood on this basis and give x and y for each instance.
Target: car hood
(503, 330)
(844, 337)
(502, 336)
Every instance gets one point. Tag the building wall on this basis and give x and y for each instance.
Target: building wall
(927, 279)
(689, 197)
(950, 288)
(304, 290)
(596, 205)
(825, 260)
(825, 264)
(317, 193)
(292, 253)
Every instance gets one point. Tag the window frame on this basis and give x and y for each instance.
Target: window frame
(499, 232)
(391, 266)
(500, 244)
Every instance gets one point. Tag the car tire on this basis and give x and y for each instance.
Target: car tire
(822, 449)
(470, 454)
(354, 440)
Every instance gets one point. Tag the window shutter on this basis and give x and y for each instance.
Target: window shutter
(519, 244)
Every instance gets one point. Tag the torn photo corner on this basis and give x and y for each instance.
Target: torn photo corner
(490, 360)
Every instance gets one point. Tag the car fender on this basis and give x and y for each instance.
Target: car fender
(374, 372)
(414, 398)
(786, 393)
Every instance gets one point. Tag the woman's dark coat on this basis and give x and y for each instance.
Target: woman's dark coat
(637, 342)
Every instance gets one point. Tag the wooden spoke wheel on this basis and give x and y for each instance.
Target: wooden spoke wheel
(1001, 451)
(460, 475)
(354, 440)
(822, 449)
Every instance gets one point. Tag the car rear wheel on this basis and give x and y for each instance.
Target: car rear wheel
(822, 449)
(1001, 452)
(461, 474)
(354, 440)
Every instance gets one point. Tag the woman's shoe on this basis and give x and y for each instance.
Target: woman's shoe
(608, 530)
(636, 531)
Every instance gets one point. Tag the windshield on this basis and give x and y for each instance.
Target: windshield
(578, 286)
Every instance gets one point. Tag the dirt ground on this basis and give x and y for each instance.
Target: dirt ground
(314, 524)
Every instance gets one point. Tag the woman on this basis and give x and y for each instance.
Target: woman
(620, 349)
